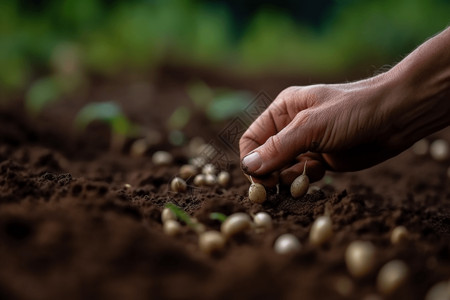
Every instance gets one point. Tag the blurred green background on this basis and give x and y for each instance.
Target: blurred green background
(74, 38)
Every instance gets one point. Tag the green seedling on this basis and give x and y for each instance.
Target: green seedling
(41, 93)
(218, 216)
(183, 216)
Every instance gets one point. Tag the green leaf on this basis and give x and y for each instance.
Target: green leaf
(228, 105)
(218, 216)
(41, 93)
(181, 214)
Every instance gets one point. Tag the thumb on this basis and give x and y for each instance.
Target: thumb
(278, 150)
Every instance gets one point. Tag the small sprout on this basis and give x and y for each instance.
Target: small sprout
(211, 241)
(360, 258)
(183, 216)
(200, 180)
(235, 223)
(399, 235)
(287, 243)
(278, 188)
(187, 171)
(321, 231)
(178, 185)
(256, 192)
(127, 186)
(171, 227)
(218, 216)
(162, 158)
(223, 178)
(262, 220)
(167, 214)
(209, 169)
(300, 185)
(391, 276)
(210, 179)
(139, 147)
(439, 150)
(439, 291)
(420, 148)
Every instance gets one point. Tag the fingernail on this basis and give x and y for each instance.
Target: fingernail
(251, 162)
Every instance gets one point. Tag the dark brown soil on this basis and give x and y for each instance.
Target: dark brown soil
(69, 229)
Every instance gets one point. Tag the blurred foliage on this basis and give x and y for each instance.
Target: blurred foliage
(107, 37)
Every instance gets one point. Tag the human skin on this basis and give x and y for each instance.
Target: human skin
(351, 126)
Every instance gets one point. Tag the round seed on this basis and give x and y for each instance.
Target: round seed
(167, 215)
(223, 178)
(162, 158)
(439, 291)
(209, 169)
(360, 258)
(127, 186)
(200, 180)
(391, 276)
(263, 220)
(321, 231)
(171, 227)
(257, 193)
(210, 179)
(187, 171)
(421, 147)
(139, 147)
(300, 185)
(439, 150)
(287, 243)
(211, 241)
(399, 235)
(235, 223)
(178, 185)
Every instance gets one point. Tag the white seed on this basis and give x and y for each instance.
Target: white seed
(209, 169)
(223, 178)
(287, 243)
(391, 276)
(162, 158)
(360, 258)
(200, 180)
(399, 234)
(178, 185)
(235, 223)
(127, 186)
(420, 147)
(139, 147)
(210, 179)
(300, 185)
(211, 241)
(257, 193)
(167, 215)
(263, 220)
(321, 231)
(171, 227)
(439, 150)
(187, 171)
(439, 291)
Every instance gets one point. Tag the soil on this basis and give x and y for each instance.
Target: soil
(70, 229)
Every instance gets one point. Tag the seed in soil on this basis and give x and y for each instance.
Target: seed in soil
(287, 243)
(211, 241)
(300, 185)
(210, 179)
(262, 220)
(127, 186)
(399, 234)
(200, 180)
(439, 150)
(223, 178)
(312, 189)
(178, 185)
(187, 171)
(167, 215)
(139, 147)
(420, 147)
(162, 158)
(391, 276)
(235, 223)
(439, 291)
(171, 227)
(209, 169)
(321, 231)
(360, 258)
(256, 192)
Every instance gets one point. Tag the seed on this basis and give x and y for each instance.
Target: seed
(178, 185)
(127, 186)
(139, 147)
(399, 235)
(223, 178)
(162, 158)
(197, 162)
(209, 169)
(439, 150)
(256, 192)
(210, 179)
(360, 258)
(235, 223)
(287, 243)
(420, 147)
(167, 215)
(211, 241)
(263, 220)
(391, 276)
(171, 227)
(439, 291)
(200, 180)
(344, 286)
(321, 231)
(187, 171)
(300, 185)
